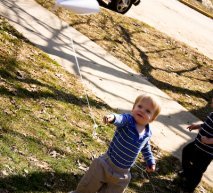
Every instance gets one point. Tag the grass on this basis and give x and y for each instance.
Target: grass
(201, 7)
(172, 66)
(44, 119)
(46, 139)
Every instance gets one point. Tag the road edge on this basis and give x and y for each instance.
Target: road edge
(197, 9)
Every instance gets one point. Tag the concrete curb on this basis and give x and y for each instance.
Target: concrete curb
(197, 9)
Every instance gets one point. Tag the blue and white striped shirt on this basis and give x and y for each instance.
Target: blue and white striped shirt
(206, 130)
(127, 143)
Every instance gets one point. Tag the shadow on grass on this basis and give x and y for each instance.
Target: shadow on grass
(64, 182)
(163, 180)
(30, 140)
(40, 182)
(55, 93)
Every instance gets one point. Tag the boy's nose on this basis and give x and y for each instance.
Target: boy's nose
(142, 110)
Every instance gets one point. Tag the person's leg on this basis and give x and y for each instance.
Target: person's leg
(117, 183)
(200, 165)
(92, 181)
(188, 157)
(194, 164)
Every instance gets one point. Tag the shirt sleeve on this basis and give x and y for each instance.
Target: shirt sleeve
(121, 120)
(148, 155)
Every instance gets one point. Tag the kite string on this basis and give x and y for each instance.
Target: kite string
(148, 177)
(95, 126)
(90, 110)
(144, 171)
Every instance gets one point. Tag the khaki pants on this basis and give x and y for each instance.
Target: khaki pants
(104, 177)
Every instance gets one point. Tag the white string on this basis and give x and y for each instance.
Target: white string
(144, 171)
(95, 126)
(153, 188)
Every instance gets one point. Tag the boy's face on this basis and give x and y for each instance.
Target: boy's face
(143, 112)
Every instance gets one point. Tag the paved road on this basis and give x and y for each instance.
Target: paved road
(178, 21)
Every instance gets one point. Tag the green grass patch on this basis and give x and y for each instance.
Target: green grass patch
(45, 126)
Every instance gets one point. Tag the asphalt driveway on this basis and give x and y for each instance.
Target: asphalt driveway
(178, 21)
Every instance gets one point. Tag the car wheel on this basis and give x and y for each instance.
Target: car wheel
(120, 6)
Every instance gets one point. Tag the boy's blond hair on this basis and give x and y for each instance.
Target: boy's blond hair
(155, 104)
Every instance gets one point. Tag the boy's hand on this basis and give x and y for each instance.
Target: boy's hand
(150, 168)
(206, 140)
(193, 127)
(109, 118)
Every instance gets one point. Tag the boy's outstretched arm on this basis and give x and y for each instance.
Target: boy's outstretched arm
(118, 120)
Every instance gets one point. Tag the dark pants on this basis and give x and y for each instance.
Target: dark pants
(194, 164)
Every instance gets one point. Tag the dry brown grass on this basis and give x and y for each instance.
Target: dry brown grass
(200, 6)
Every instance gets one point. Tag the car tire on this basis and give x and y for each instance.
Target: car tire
(120, 6)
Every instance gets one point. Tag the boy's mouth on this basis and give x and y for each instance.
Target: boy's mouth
(140, 115)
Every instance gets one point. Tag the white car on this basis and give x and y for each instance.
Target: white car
(120, 6)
